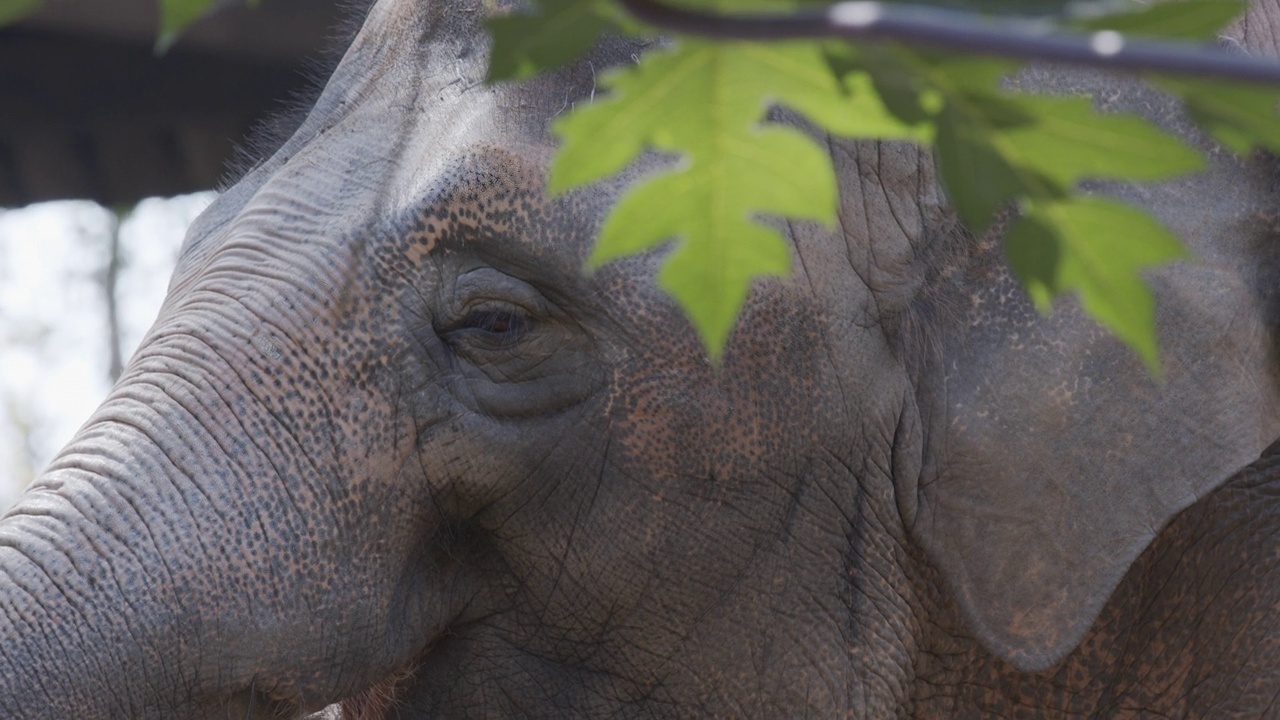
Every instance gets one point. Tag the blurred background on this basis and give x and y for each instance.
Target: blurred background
(108, 151)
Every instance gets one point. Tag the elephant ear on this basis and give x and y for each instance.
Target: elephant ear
(1054, 458)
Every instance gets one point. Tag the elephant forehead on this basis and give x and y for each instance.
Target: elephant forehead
(408, 150)
(444, 157)
(493, 201)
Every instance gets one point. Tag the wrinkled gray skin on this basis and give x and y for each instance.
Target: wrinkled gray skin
(387, 447)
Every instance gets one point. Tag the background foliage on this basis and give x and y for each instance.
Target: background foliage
(997, 150)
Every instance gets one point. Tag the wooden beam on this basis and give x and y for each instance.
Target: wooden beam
(111, 122)
(276, 30)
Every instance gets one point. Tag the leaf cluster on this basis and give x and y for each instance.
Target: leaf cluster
(998, 151)
(735, 174)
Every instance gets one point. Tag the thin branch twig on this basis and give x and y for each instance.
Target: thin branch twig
(940, 28)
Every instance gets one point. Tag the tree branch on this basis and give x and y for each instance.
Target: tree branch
(940, 28)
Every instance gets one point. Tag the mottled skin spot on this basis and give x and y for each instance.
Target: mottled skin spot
(387, 447)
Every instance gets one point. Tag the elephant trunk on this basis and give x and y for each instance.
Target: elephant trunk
(207, 544)
(103, 612)
(171, 561)
(246, 527)
(47, 647)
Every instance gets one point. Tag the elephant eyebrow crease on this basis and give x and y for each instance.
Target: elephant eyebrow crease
(436, 227)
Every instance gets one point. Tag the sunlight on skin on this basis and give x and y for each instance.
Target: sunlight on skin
(54, 337)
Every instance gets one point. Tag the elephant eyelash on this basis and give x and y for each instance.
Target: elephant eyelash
(499, 322)
(502, 325)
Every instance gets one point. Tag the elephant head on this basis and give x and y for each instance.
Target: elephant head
(386, 445)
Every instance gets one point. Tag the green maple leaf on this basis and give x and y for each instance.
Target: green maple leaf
(1239, 115)
(12, 11)
(1067, 141)
(1178, 19)
(979, 178)
(525, 44)
(706, 101)
(176, 15)
(799, 76)
(995, 147)
(1096, 247)
(708, 207)
(934, 91)
(678, 100)
(904, 93)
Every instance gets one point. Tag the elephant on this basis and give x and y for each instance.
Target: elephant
(388, 451)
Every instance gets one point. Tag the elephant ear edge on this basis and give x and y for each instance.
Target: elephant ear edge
(1053, 459)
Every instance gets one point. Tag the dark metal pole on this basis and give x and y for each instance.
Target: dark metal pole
(941, 28)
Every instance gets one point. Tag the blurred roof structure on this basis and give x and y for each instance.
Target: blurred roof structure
(89, 110)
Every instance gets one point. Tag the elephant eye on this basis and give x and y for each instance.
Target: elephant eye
(498, 322)
(502, 324)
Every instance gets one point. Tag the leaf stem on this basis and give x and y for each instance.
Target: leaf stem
(941, 28)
